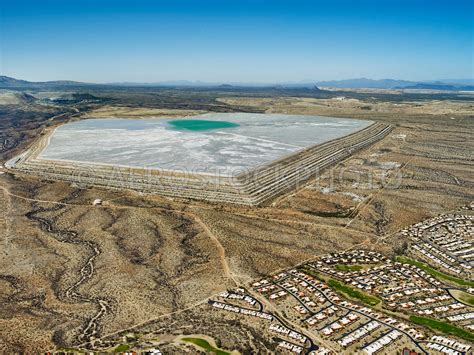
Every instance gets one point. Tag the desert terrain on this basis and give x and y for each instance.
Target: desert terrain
(85, 276)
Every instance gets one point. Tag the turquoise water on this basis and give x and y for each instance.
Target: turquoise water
(201, 125)
(214, 143)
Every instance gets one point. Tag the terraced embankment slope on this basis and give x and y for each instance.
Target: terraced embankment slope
(256, 187)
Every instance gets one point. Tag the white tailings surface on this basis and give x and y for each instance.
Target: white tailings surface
(154, 143)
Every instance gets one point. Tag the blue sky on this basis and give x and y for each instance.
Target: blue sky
(236, 41)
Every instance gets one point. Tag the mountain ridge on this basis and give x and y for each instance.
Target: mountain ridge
(7, 82)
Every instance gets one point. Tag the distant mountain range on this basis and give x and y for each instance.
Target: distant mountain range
(366, 83)
(445, 85)
(439, 86)
(8, 82)
(448, 85)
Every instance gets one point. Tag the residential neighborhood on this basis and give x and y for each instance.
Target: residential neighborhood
(445, 241)
(361, 301)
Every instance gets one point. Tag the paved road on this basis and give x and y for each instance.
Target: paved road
(416, 342)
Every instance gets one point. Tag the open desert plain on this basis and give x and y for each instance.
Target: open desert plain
(369, 252)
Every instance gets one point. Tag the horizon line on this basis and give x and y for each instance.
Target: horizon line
(230, 82)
